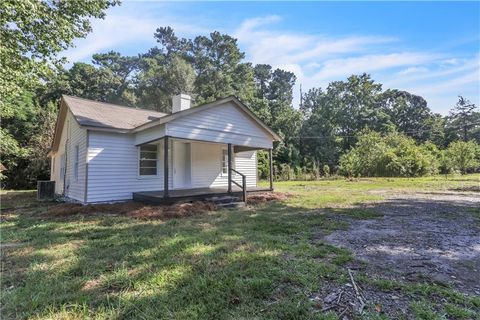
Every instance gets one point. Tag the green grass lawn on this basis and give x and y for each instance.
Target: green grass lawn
(240, 264)
(337, 193)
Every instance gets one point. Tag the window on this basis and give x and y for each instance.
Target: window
(53, 164)
(225, 162)
(148, 160)
(75, 164)
(62, 167)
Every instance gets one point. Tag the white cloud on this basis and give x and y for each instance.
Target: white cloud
(122, 28)
(451, 84)
(451, 61)
(280, 47)
(315, 58)
(413, 70)
(318, 59)
(369, 63)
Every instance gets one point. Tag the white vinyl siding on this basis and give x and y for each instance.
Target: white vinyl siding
(113, 168)
(113, 163)
(70, 176)
(223, 124)
(246, 163)
(207, 166)
(149, 135)
(114, 158)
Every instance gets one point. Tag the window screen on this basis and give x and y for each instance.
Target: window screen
(148, 161)
(75, 168)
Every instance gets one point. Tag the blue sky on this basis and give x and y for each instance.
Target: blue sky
(427, 48)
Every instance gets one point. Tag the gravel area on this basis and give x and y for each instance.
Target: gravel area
(420, 235)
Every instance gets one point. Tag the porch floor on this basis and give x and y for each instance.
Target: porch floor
(177, 195)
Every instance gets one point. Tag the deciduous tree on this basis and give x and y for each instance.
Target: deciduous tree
(33, 33)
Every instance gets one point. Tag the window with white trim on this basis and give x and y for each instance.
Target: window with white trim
(225, 162)
(75, 164)
(148, 160)
(62, 167)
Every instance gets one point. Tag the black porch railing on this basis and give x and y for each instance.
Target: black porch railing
(243, 186)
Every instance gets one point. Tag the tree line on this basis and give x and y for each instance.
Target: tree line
(330, 132)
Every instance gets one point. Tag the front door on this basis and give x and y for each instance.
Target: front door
(181, 165)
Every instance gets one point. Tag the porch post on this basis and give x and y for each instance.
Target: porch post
(229, 156)
(165, 167)
(270, 164)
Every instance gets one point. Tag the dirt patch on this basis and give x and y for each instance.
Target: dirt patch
(262, 197)
(420, 236)
(344, 301)
(133, 209)
(468, 188)
(9, 245)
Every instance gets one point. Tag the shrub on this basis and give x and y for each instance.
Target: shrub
(462, 156)
(263, 165)
(392, 155)
(326, 170)
(350, 164)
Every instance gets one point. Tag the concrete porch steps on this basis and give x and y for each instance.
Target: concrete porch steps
(226, 201)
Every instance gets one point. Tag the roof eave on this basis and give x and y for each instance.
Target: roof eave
(106, 129)
(62, 114)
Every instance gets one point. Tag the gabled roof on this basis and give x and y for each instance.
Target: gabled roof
(207, 106)
(104, 116)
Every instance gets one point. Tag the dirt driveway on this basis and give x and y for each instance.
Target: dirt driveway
(434, 235)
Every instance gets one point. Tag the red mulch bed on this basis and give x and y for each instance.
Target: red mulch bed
(133, 209)
(143, 211)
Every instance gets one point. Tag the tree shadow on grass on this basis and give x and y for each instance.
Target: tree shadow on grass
(253, 263)
(258, 263)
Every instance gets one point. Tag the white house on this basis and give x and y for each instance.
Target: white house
(104, 152)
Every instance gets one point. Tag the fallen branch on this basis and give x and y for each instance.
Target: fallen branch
(329, 307)
(341, 313)
(357, 292)
(339, 297)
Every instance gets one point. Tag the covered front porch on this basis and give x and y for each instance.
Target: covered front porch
(176, 195)
(197, 152)
(190, 169)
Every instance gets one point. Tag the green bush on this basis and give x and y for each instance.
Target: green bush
(326, 170)
(392, 155)
(462, 156)
(263, 166)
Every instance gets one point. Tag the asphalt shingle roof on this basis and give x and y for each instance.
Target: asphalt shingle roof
(106, 115)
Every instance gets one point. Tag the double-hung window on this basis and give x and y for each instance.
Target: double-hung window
(148, 160)
(225, 162)
(62, 167)
(75, 164)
